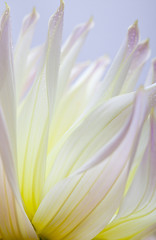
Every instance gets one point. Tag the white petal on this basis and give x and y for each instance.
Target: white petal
(53, 56)
(76, 100)
(22, 49)
(7, 156)
(69, 54)
(87, 137)
(140, 56)
(118, 71)
(33, 121)
(31, 70)
(32, 144)
(81, 205)
(77, 71)
(7, 84)
(137, 213)
(14, 224)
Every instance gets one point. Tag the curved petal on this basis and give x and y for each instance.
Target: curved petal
(99, 127)
(22, 50)
(74, 103)
(147, 234)
(33, 120)
(86, 138)
(7, 83)
(140, 57)
(14, 223)
(53, 57)
(69, 54)
(77, 71)
(137, 212)
(31, 71)
(119, 69)
(93, 190)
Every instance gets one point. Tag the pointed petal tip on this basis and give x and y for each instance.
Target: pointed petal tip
(7, 7)
(136, 23)
(61, 7)
(29, 20)
(132, 37)
(142, 53)
(133, 29)
(34, 13)
(91, 22)
(146, 42)
(56, 18)
(5, 16)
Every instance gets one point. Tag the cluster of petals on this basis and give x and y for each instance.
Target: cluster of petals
(77, 141)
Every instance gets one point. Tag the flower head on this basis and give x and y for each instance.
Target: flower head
(77, 146)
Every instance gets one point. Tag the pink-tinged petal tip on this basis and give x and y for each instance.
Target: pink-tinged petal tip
(5, 17)
(56, 18)
(132, 37)
(142, 53)
(29, 20)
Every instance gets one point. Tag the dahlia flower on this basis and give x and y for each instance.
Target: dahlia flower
(77, 146)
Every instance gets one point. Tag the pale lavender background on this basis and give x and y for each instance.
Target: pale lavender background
(112, 18)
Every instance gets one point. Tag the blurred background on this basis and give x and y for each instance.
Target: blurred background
(111, 17)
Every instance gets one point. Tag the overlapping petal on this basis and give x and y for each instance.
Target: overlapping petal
(77, 147)
(137, 212)
(33, 121)
(70, 108)
(22, 50)
(92, 190)
(14, 223)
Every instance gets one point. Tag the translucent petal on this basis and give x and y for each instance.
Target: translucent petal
(22, 50)
(32, 69)
(32, 144)
(93, 190)
(69, 54)
(76, 100)
(33, 120)
(140, 57)
(137, 212)
(14, 223)
(95, 131)
(77, 70)
(87, 137)
(118, 71)
(53, 56)
(7, 83)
